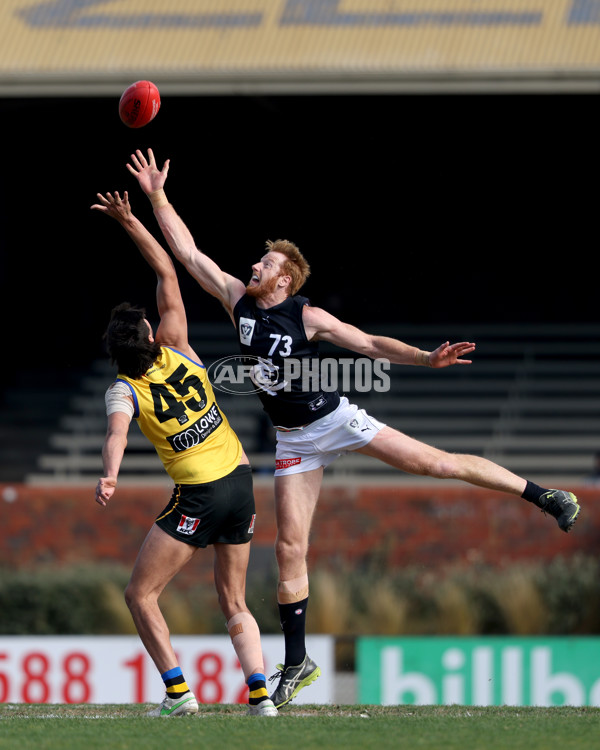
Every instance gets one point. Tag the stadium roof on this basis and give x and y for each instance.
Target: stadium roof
(95, 47)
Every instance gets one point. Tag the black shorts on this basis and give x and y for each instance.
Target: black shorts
(222, 511)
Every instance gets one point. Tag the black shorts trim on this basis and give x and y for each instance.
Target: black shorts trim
(219, 512)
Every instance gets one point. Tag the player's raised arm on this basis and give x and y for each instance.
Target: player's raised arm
(322, 326)
(207, 273)
(172, 329)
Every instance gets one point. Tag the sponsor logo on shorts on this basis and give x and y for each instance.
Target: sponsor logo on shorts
(187, 525)
(252, 522)
(285, 463)
(355, 424)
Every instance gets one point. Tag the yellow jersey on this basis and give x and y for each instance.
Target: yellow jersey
(176, 410)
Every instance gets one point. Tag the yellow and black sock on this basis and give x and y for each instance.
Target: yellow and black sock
(257, 685)
(175, 682)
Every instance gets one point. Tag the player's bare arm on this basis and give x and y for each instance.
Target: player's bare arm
(322, 326)
(113, 450)
(226, 288)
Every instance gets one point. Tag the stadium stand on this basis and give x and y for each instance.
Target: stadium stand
(530, 401)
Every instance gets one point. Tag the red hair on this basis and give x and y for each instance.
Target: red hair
(295, 265)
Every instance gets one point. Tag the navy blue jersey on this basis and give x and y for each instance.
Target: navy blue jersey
(286, 365)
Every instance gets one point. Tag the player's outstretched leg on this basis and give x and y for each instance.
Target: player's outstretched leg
(293, 679)
(561, 505)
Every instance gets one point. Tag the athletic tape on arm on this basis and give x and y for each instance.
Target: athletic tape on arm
(118, 398)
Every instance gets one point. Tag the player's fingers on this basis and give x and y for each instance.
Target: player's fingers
(141, 158)
(135, 158)
(99, 493)
(463, 346)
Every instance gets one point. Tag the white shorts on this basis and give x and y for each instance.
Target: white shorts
(319, 443)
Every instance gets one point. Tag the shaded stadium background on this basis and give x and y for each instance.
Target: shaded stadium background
(409, 208)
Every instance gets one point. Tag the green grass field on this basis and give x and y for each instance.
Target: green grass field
(87, 727)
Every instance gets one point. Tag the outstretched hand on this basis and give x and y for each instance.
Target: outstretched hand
(114, 205)
(450, 354)
(147, 173)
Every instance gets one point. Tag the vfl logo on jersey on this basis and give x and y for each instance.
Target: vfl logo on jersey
(246, 330)
(252, 522)
(188, 525)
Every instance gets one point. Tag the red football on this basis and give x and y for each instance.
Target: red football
(139, 104)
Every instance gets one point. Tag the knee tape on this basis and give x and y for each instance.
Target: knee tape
(292, 591)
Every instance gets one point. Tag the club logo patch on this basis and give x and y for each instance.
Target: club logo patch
(188, 525)
(359, 424)
(317, 403)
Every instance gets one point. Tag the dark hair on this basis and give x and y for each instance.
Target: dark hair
(127, 340)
